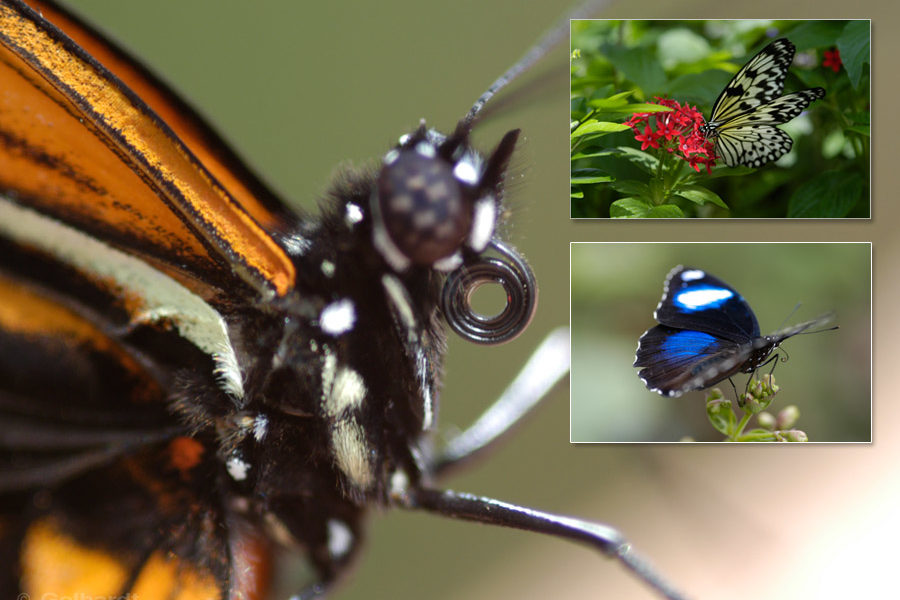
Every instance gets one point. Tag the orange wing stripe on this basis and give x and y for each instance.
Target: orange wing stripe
(84, 91)
(55, 565)
(205, 144)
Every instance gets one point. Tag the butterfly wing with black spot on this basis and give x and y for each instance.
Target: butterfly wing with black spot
(743, 118)
(759, 81)
(753, 140)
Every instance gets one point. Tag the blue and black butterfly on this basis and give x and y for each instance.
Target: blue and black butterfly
(707, 333)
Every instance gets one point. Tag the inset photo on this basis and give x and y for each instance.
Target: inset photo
(704, 118)
(721, 342)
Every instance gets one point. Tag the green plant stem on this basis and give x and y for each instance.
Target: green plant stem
(740, 427)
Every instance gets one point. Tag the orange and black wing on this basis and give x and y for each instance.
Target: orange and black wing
(122, 238)
(100, 488)
(78, 146)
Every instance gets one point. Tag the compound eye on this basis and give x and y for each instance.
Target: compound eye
(423, 207)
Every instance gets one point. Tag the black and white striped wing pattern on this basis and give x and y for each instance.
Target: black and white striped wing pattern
(744, 116)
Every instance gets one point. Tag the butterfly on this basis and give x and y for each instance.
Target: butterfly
(195, 376)
(707, 333)
(744, 117)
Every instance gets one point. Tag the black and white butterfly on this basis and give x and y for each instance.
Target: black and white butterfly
(744, 117)
(707, 333)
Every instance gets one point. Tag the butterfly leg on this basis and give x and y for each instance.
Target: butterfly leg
(607, 540)
(548, 364)
(731, 381)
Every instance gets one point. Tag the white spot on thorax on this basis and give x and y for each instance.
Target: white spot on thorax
(237, 467)
(465, 172)
(399, 483)
(340, 539)
(347, 391)
(353, 214)
(426, 149)
(483, 224)
(260, 427)
(338, 317)
(329, 367)
(351, 452)
(327, 268)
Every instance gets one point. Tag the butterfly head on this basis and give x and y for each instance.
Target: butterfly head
(435, 206)
(437, 199)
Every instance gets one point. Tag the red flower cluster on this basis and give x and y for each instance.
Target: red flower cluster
(832, 60)
(675, 130)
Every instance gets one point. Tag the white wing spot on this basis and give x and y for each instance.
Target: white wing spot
(693, 275)
(694, 299)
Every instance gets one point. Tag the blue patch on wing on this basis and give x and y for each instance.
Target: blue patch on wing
(688, 343)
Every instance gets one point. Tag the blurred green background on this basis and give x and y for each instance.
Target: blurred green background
(616, 287)
(301, 87)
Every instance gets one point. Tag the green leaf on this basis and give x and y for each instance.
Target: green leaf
(832, 194)
(632, 187)
(815, 34)
(854, 47)
(860, 129)
(720, 413)
(859, 118)
(613, 102)
(705, 86)
(665, 211)
(699, 195)
(591, 179)
(640, 159)
(645, 107)
(598, 154)
(628, 208)
(603, 127)
(639, 65)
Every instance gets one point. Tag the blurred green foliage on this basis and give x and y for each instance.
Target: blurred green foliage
(631, 62)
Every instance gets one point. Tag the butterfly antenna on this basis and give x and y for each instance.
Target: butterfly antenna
(821, 320)
(554, 36)
(790, 314)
